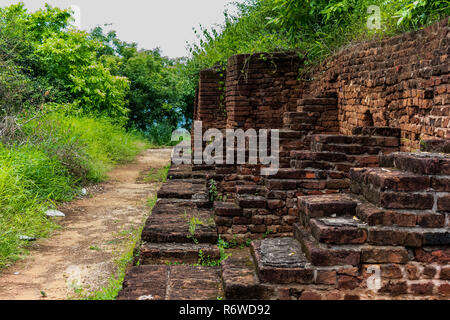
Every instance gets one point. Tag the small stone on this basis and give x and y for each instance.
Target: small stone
(55, 213)
(27, 238)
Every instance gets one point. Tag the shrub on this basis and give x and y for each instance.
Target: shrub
(87, 147)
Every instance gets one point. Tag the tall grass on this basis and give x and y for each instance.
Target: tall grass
(59, 155)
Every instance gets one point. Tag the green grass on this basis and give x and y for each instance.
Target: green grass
(59, 155)
(96, 145)
(157, 175)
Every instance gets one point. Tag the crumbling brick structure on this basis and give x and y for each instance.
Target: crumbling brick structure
(398, 82)
(348, 215)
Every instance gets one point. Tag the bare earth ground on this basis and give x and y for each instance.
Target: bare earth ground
(83, 253)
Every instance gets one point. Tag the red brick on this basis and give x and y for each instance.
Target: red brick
(310, 295)
(444, 289)
(422, 288)
(391, 271)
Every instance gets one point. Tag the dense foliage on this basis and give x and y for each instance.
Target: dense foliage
(45, 60)
(314, 28)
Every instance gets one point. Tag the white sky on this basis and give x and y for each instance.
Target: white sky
(150, 23)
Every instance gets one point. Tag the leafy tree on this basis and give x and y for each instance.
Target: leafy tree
(161, 96)
(71, 58)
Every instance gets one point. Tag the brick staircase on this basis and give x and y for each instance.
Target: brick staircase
(396, 218)
(334, 214)
(165, 267)
(269, 204)
(314, 115)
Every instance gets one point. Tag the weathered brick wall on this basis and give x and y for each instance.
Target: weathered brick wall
(400, 82)
(210, 106)
(260, 88)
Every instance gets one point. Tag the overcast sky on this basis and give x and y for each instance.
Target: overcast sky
(151, 23)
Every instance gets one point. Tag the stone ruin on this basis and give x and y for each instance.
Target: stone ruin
(360, 208)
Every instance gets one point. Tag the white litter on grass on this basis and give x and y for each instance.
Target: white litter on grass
(27, 238)
(54, 213)
(84, 191)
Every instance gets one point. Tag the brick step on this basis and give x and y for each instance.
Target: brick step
(185, 172)
(311, 178)
(203, 167)
(302, 127)
(377, 131)
(371, 141)
(349, 149)
(281, 261)
(286, 146)
(303, 117)
(173, 222)
(248, 201)
(313, 101)
(176, 282)
(374, 216)
(348, 230)
(320, 254)
(325, 255)
(342, 230)
(281, 264)
(198, 201)
(180, 172)
(330, 205)
(405, 228)
(419, 162)
(390, 179)
(301, 159)
(183, 189)
(240, 280)
(320, 109)
(227, 209)
(414, 237)
(254, 190)
(291, 134)
(392, 189)
(318, 156)
(295, 184)
(319, 165)
(225, 169)
(289, 173)
(435, 145)
(164, 253)
(326, 160)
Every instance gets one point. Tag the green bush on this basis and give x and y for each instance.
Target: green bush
(87, 147)
(314, 28)
(160, 134)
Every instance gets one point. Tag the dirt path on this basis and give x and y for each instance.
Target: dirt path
(95, 232)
